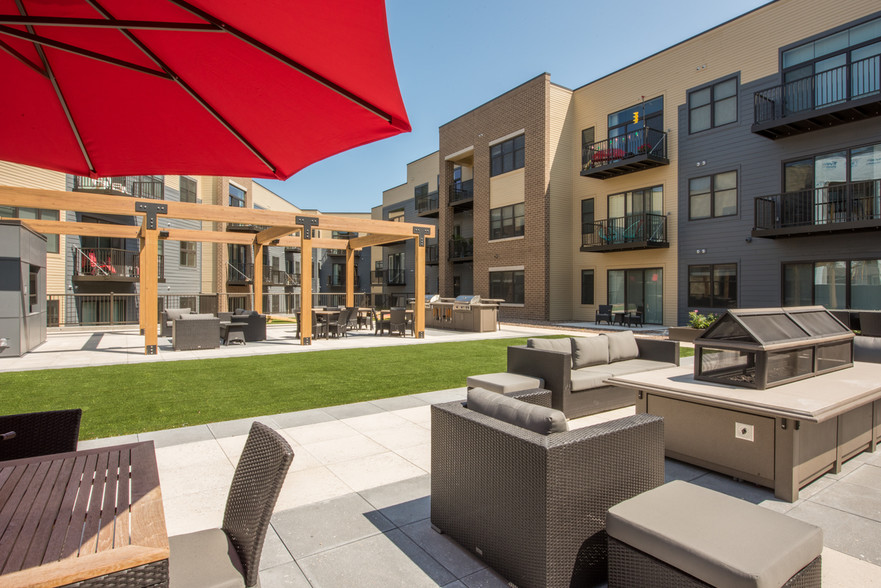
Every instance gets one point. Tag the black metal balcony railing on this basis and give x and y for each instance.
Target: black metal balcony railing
(432, 254)
(136, 186)
(846, 206)
(239, 273)
(426, 203)
(635, 151)
(377, 277)
(397, 277)
(461, 248)
(274, 276)
(292, 279)
(109, 263)
(461, 191)
(637, 231)
(836, 89)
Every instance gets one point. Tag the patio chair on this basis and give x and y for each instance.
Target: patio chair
(319, 328)
(381, 323)
(168, 317)
(195, 331)
(604, 313)
(255, 328)
(39, 433)
(531, 505)
(398, 321)
(230, 556)
(352, 323)
(338, 327)
(636, 317)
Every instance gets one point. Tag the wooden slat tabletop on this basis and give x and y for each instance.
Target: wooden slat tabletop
(69, 517)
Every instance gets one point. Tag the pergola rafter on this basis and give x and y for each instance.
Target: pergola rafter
(277, 228)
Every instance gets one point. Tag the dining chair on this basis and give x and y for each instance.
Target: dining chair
(352, 322)
(39, 433)
(381, 321)
(230, 556)
(398, 321)
(338, 327)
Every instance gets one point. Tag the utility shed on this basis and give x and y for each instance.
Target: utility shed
(22, 288)
(765, 347)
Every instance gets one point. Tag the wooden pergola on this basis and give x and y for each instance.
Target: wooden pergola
(285, 229)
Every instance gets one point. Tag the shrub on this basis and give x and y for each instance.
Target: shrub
(699, 321)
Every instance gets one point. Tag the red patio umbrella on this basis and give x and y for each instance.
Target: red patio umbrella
(209, 87)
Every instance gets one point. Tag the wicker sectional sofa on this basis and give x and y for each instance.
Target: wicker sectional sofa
(575, 369)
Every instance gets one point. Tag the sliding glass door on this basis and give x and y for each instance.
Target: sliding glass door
(633, 288)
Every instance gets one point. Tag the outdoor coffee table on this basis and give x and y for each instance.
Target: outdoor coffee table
(782, 438)
(92, 516)
(232, 332)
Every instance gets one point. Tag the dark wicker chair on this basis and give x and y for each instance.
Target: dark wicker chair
(381, 323)
(319, 328)
(534, 506)
(870, 324)
(398, 321)
(255, 324)
(167, 319)
(195, 331)
(230, 556)
(339, 326)
(604, 313)
(39, 433)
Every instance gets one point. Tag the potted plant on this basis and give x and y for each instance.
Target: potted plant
(697, 324)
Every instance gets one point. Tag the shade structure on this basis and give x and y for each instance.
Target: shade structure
(250, 88)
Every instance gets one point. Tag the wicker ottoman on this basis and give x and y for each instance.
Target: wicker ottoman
(504, 382)
(680, 534)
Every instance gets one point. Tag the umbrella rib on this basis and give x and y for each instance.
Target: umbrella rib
(189, 90)
(40, 40)
(315, 76)
(11, 50)
(109, 24)
(58, 93)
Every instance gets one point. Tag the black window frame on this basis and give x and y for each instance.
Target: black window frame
(848, 283)
(498, 288)
(713, 282)
(188, 249)
(188, 190)
(588, 217)
(588, 287)
(627, 124)
(514, 147)
(507, 228)
(236, 201)
(712, 104)
(712, 195)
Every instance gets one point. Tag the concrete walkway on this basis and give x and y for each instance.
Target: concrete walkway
(354, 510)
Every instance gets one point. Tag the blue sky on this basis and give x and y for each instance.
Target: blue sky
(453, 55)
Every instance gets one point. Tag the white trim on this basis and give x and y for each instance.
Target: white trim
(506, 239)
(506, 137)
(459, 153)
(508, 268)
(239, 186)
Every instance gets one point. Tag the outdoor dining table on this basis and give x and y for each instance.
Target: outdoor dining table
(93, 516)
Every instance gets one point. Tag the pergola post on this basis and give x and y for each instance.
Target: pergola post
(258, 277)
(149, 269)
(350, 276)
(419, 306)
(306, 222)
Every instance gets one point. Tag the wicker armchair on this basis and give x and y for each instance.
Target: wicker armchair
(534, 506)
(168, 317)
(230, 556)
(603, 313)
(255, 329)
(195, 331)
(39, 433)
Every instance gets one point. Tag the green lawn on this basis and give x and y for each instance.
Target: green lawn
(124, 399)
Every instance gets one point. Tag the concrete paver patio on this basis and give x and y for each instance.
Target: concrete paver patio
(354, 509)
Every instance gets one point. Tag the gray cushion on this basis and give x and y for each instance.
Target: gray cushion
(632, 366)
(504, 382)
(587, 378)
(721, 540)
(563, 345)
(588, 351)
(198, 317)
(204, 558)
(538, 419)
(867, 349)
(622, 346)
(175, 313)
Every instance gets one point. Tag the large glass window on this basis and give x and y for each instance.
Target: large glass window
(712, 286)
(507, 155)
(397, 275)
(236, 196)
(837, 284)
(187, 189)
(711, 196)
(712, 106)
(587, 216)
(188, 253)
(629, 207)
(507, 285)
(506, 221)
(587, 286)
(34, 213)
(648, 114)
(633, 289)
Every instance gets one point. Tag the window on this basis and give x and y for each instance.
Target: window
(396, 270)
(712, 106)
(506, 221)
(34, 213)
(33, 289)
(587, 216)
(588, 137)
(188, 254)
(396, 215)
(834, 284)
(712, 196)
(420, 191)
(187, 189)
(507, 156)
(587, 287)
(236, 196)
(647, 114)
(507, 286)
(634, 288)
(637, 202)
(712, 286)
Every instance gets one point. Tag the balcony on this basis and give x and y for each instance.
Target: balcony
(377, 278)
(292, 280)
(338, 282)
(427, 205)
(830, 98)
(135, 186)
(462, 195)
(854, 206)
(432, 254)
(105, 264)
(274, 277)
(461, 250)
(239, 273)
(638, 231)
(642, 149)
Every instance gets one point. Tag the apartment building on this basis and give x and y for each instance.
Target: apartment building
(414, 201)
(738, 168)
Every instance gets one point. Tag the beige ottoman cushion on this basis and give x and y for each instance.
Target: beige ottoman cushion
(504, 382)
